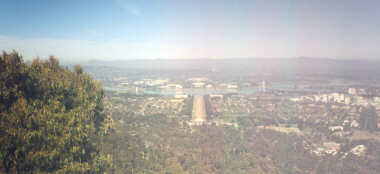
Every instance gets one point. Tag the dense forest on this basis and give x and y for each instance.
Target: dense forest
(51, 118)
(158, 144)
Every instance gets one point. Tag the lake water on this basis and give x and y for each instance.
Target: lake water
(201, 91)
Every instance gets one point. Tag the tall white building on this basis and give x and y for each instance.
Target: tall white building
(347, 100)
(352, 91)
(263, 86)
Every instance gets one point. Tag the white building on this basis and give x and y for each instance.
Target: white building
(352, 91)
(216, 96)
(263, 86)
(376, 99)
(336, 128)
(181, 96)
(209, 86)
(230, 86)
(124, 83)
(347, 100)
(197, 79)
(157, 82)
(198, 84)
(362, 91)
(336, 97)
(354, 123)
(176, 86)
(359, 150)
(361, 101)
(140, 82)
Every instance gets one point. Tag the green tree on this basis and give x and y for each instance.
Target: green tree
(50, 118)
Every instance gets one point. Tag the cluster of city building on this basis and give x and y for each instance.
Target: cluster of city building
(353, 97)
(323, 119)
(193, 82)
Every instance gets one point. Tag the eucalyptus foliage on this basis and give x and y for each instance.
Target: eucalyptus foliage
(50, 118)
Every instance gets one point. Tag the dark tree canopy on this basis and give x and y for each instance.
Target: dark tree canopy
(50, 118)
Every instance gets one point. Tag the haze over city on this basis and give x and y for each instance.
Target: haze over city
(190, 86)
(131, 29)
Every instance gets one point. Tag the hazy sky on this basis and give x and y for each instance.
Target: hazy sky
(126, 29)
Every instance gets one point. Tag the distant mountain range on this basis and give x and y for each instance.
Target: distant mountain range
(355, 68)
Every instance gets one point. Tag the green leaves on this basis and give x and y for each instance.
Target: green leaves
(49, 118)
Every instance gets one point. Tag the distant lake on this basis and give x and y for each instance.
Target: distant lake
(205, 91)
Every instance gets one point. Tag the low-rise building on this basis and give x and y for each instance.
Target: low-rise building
(352, 91)
(359, 150)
